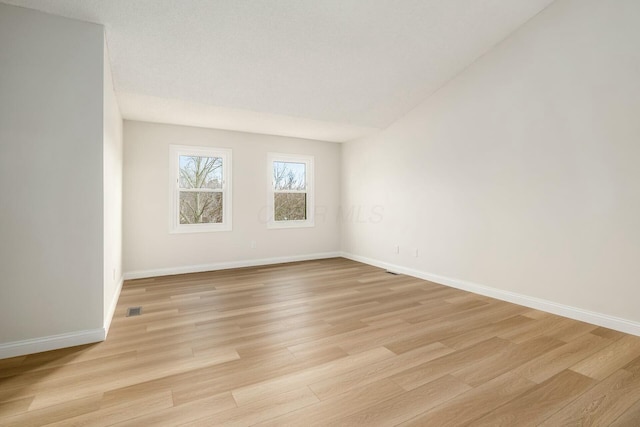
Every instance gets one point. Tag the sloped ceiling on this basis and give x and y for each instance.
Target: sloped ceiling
(324, 69)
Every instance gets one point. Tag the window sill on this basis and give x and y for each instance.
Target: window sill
(196, 228)
(273, 225)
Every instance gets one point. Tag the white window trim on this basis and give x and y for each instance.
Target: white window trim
(175, 151)
(309, 169)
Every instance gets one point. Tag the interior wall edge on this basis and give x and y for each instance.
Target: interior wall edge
(112, 306)
(575, 313)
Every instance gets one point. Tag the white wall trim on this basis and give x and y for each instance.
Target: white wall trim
(143, 274)
(112, 306)
(611, 322)
(52, 342)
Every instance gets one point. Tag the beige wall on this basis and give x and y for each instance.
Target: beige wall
(522, 173)
(150, 249)
(51, 179)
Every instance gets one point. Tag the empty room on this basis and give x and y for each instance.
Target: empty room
(320, 212)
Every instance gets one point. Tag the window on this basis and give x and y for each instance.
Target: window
(200, 189)
(290, 191)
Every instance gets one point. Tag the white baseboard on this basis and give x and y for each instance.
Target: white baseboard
(143, 274)
(52, 342)
(611, 322)
(112, 307)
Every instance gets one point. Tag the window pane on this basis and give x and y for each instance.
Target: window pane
(200, 172)
(289, 176)
(290, 206)
(200, 207)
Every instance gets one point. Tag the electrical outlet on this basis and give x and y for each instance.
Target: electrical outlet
(114, 274)
(396, 249)
(415, 252)
(253, 244)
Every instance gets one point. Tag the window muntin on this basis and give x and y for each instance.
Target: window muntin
(290, 190)
(201, 186)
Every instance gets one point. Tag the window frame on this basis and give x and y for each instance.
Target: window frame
(175, 151)
(271, 191)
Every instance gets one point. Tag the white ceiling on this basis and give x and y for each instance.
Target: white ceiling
(324, 69)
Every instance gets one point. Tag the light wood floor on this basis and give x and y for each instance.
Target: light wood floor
(329, 342)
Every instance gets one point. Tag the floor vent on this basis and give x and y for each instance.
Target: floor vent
(393, 272)
(134, 311)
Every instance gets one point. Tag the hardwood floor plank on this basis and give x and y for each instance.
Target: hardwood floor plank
(601, 404)
(336, 384)
(261, 410)
(538, 403)
(608, 333)
(12, 362)
(330, 410)
(17, 406)
(181, 414)
(544, 327)
(633, 366)
(485, 332)
(611, 358)
(321, 355)
(52, 413)
(474, 403)
(123, 410)
(558, 359)
(426, 372)
(629, 418)
(409, 404)
(232, 376)
(504, 360)
(140, 372)
(571, 331)
(299, 379)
